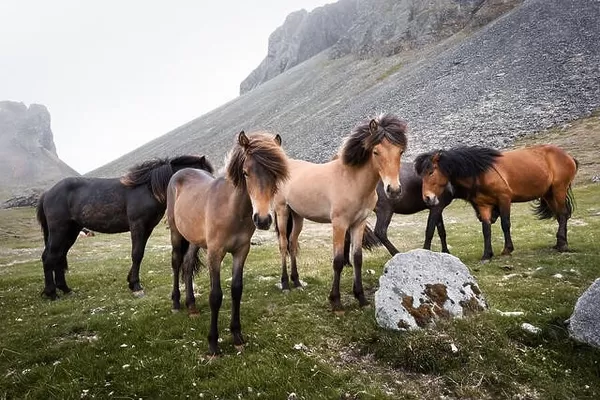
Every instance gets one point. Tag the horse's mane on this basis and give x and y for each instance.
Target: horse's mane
(157, 173)
(460, 162)
(357, 146)
(270, 162)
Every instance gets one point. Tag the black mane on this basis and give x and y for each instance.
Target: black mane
(459, 162)
(357, 147)
(157, 173)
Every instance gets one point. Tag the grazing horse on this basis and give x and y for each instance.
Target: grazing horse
(494, 180)
(341, 192)
(220, 215)
(136, 203)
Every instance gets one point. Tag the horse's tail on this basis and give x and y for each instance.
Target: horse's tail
(542, 210)
(41, 217)
(570, 201)
(370, 239)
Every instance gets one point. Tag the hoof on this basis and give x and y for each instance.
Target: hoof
(194, 314)
(339, 313)
(506, 253)
(138, 293)
(561, 249)
(175, 310)
(239, 348)
(485, 260)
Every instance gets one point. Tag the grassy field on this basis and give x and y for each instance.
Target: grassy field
(101, 342)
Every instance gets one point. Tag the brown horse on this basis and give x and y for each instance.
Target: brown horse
(341, 192)
(495, 180)
(220, 215)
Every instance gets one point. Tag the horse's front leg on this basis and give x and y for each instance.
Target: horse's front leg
(441, 229)
(237, 286)
(356, 234)
(485, 215)
(339, 233)
(432, 220)
(139, 238)
(215, 298)
(293, 246)
(384, 214)
(505, 223)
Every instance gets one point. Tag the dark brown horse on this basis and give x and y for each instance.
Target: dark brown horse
(341, 192)
(134, 203)
(220, 215)
(411, 202)
(495, 180)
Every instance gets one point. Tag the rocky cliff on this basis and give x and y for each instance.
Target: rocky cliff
(536, 66)
(28, 158)
(369, 28)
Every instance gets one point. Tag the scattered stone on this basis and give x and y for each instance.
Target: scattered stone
(530, 328)
(420, 286)
(558, 276)
(510, 313)
(584, 323)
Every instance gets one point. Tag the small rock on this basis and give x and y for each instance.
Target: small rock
(530, 328)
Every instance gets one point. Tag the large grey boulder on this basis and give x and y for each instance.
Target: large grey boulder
(584, 324)
(420, 286)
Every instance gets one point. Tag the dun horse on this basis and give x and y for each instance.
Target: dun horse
(220, 215)
(341, 192)
(134, 203)
(495, 180)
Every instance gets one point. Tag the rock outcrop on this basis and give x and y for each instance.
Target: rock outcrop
(28, 157)
(584, 324)
(370, 28)
(534, 67)
(420, 286)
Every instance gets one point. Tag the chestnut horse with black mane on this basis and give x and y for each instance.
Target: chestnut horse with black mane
(341, 192)
(136, 203)
(220, 215)
(494, 180)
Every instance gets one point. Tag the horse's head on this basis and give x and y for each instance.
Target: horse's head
(259, 165)
(435, 181)
(382, 142)
(387, 159)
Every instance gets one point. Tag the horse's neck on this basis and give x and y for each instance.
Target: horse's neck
(465, 188)
(367, 175)
(240, 199)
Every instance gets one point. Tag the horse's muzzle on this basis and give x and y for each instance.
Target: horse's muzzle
(431, 200)
(393, 193)
(262, 223)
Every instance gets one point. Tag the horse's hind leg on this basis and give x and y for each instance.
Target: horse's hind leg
(504, 209)
(59, 273)
(282, 215)
(191, 265)
(556, 200)
(293, 247)
(237, 285)
(54, 259)
(139, 238)
(179, 247)
(357, 288)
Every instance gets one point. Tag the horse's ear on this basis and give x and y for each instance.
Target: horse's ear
(373, 126)
(278, 139)
(436, 158)
(243, 139)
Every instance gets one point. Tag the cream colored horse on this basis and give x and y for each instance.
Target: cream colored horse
(341, 192)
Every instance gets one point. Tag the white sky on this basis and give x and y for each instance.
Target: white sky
(115, 74)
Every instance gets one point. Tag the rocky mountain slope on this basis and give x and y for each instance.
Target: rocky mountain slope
(28, 158)
(536, 66)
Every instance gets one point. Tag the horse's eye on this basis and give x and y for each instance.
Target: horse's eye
(431, 173)
(375, 153)
(245, 174)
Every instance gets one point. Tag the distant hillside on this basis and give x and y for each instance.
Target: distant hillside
(535, 66)
(28, 158)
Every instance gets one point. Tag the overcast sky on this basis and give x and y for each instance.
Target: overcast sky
(115, 74)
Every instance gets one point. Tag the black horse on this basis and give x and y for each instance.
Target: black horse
(411, 202)
(136, 203)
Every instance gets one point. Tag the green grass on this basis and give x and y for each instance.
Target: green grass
(102, 342)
